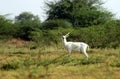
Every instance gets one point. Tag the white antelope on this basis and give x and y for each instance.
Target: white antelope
(75, 46)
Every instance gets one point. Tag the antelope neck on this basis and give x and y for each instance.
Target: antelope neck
(64, 41)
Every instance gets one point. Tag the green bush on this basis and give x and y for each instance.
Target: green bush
(36, 35)
(6, 27)
(97, 36)
(45, 37)
(55, 24)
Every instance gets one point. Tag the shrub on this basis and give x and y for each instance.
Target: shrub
(36, 35)
(54, 24)
(6, 27)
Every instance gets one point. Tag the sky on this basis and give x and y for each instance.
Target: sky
(36, 7)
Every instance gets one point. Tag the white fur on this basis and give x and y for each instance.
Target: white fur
(74, 46)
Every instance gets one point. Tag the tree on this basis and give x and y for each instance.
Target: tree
(27, 18)
(26, 23)
(6, 27)
(55, 24)
(80, 13)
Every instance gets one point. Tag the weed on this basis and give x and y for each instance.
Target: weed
(27, 62)
(12, 65)
(115, 63)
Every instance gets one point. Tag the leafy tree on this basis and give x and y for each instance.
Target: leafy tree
(26, 23)
(6, 27)
(55, 24)
(27, 18)
(80, 13)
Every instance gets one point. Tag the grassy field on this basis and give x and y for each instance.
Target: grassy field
(26, 60)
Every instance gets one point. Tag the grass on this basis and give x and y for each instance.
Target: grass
(31, 62)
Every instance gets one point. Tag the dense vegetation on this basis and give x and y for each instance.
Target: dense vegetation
(81, 13)
(87, 21)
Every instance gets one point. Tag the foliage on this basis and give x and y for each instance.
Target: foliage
(26, 22)
(81, 13)
(97, 36)
(55, 24)
(6, 27)
(113, 33)
(36, 35)
(27, 18)
(46, 37)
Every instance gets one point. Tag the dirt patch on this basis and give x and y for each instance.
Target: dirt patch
(17, 42)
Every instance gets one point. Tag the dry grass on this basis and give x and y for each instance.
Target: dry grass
(22, 62)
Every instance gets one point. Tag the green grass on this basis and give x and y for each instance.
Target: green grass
(31, 62)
